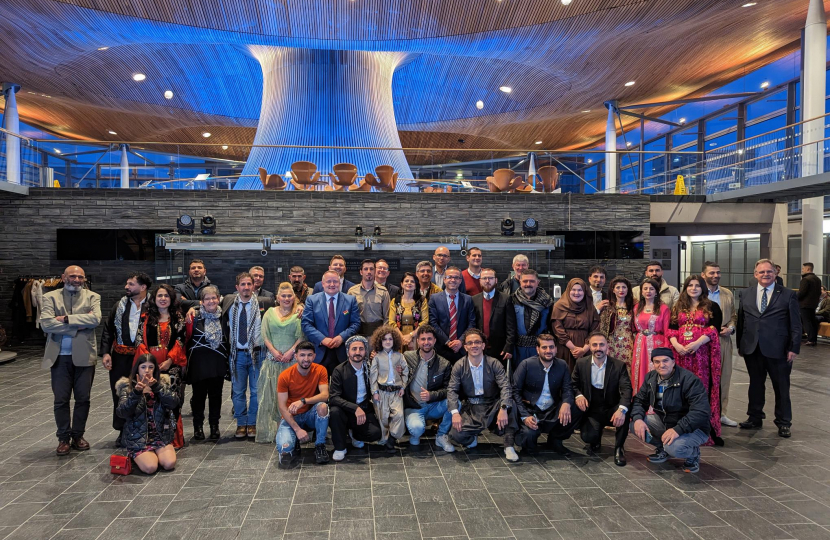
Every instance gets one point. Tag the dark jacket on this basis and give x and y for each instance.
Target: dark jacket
(189, 294)
(617, 387)
(109, 336)
(777, 331)
(509, 285)
(264, 293)
(392, 289)
(529, 379)
(318, 287)
(502, 323)
(439, 318)
(132, 407)
(438, 378)
(685, 402)
(343, 388)
(496, 383)
(809, 291)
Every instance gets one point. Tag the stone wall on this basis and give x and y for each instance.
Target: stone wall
(28, 227)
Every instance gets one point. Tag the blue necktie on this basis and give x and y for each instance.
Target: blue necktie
(243, 325)
(764, 301)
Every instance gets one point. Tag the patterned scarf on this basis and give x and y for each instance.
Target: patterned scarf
(213, 327)
(254, 328)
(119, 316)
(537, 305)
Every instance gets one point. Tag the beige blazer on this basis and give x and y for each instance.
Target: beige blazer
(730, 318)
(84, 317)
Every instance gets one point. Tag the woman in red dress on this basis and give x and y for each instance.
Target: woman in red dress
(651, 318)
(695, 321)
(161, 334)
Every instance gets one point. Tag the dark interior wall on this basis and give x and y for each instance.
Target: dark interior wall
(28, 230)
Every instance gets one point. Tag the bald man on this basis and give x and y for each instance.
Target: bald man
(69, 317)
(441, 257)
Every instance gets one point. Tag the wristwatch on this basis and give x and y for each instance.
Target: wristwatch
(503, 407)
(302, 400)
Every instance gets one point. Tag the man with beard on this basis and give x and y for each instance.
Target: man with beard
(258, 275)
(69, 317)
(512, 284)
(596, 281)
(372, 299)
(668, 294)
(337, 264)
(496, 317)
(350, 401)
(188, 291)
(726, 300)
(809, 295)
(118, 337)
(532, 306)
(382, 275)
(297, 278)
(244, 319)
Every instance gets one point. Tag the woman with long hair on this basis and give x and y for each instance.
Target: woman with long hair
(617, 321)
(408, 310)
(147, 404)
(573, 317)
(693, 332)
(281, 333)
(651, 320)
(162, 333)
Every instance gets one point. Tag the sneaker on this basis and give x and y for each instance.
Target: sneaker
(691, 465)
(510, 454)
(726, 421)
(338, 455)
(660, 456)
(474, 443)
(241, 432)
(321, 455)
(414, 441)
(358, 444)
(444, 442)
(285, 459)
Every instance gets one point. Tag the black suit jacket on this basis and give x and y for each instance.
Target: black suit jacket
(529, 379)
(109, 337)
(502, 323)
(775, 332)
(617, 386)
(393, 290)
(343, 388)
(439, 318)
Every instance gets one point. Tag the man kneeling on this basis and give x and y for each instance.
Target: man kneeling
(680, 423)
(302, 391)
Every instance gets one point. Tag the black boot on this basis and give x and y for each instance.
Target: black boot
(214, 432)
(198, 432)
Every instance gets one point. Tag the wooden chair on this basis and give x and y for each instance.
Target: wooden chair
(502, 179)
(387, 176)
(305, 175)
(364, 186)
(372, 181)
(550, 178)
(344, 176)
(271, 182)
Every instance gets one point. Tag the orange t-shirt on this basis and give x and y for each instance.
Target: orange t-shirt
(298, 387)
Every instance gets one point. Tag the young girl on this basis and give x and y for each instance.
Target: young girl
(388, 377)
(147, 404)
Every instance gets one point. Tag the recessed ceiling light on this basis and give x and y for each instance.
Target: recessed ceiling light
(479, 104)
(168, 94)
(566, 2)
(630, 83)
(765, 84)
(138, 77)
(111, 132)
(103, 48)
(206, 134)
(538, 142)
(505, 89)
(749, 4)
(224, 147)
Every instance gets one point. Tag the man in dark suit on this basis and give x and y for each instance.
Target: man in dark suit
(769, 339)
(544, 398)
(603, 392)
(258, 275)
(451, 313)
(809, 295)
(496, 317)
(329, 319)
(350, 401)
(337, 264)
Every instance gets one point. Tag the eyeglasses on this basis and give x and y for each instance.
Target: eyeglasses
(474, 343)
(451, 277)
(441, 255)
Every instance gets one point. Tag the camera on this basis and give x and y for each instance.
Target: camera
(264, 252)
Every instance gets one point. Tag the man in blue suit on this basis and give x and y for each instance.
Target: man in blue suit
(337, 264)
(451, 313)
(330, 318)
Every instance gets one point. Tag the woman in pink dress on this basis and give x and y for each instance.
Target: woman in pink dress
(693, 334)
(651, 318)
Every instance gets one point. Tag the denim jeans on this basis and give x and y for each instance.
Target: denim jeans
(685, 446)
(246, 377)
(286, 438)
(416, 418)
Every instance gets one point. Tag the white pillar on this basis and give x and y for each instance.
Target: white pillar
(11, 122)
(610, 151)
(125, 168)
(814, 61)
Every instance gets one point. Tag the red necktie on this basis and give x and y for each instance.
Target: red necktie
(331, 318)
(487, 308)
(453, 319)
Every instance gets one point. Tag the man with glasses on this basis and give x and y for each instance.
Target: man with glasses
(451, 313)
(382, 275)
(496, 317)
(258, 275)
(479, 396)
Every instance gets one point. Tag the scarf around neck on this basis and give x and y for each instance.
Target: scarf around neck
(213, 327)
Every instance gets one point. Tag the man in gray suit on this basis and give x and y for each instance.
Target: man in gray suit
(69, 317)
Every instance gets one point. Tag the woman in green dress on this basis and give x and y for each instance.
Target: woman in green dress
(281, 332)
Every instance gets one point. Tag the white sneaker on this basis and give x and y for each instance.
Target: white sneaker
(726, 421)
(338, 455)
(510, 454)
(358, 444)
(414, 441)
(474, 443)
(444, 442)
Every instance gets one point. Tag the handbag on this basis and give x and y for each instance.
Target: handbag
(120, 465)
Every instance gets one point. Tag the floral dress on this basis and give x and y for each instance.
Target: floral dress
(618, 324)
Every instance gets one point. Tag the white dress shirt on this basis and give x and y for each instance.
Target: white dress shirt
(478, 377)
(361, 383)
(135, 317)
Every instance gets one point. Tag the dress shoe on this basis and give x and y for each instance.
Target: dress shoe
(241, 432)
(63, 448)
(619, 457)
(390, 446)
(784, 431)
(80, 444)
(198, 433)
(595, 448)
(118, 443)
(251, 432)
(810, 344)
(214, 432)
(557, 446)
(749, 424)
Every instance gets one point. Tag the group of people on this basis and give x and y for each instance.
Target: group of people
(371, 361)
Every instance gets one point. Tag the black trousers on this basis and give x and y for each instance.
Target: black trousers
(810, 323)
(69, 379)
(759, 366)
(122, 365)
(330, 361)
(528, 438)
(593, 422)
(342, 420)
(207, 389)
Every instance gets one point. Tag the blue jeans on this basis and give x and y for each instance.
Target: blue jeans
(416, 418)
(245, 378)
(685, 446)
(309, 420)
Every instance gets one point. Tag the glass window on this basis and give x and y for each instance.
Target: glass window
(767, 105)
(698, 256)
(685, 137)
(737, 260)
(723, 122)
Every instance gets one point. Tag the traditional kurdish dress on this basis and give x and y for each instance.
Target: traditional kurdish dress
(618, 324)
(651, 334)
(282, 334)
(407, 316)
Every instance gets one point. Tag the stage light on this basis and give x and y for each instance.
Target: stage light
(208, 225)
(185, 225)
(479, 104)
(377, 230)
(530, 227)
(505, 89)
(168, 94)
(138, 77)
(358, 231)
(507, 227)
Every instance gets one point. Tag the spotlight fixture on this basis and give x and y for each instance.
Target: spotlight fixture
(530, 227)
(377, 230)
(508, 227)
(765, 85)
(479, 104)
(138, 77)
(111, 132)
(505, 89)
(185, 225)
(358, 231)
(208, 225)
(224, 147)
(168, 94)
(206, 134)
(631, 83)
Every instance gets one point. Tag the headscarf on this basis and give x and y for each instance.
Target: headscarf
(567, 304)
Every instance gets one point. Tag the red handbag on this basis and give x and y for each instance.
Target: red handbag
(121, 465)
